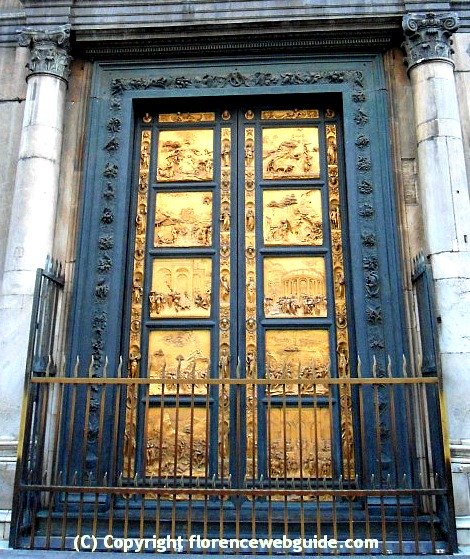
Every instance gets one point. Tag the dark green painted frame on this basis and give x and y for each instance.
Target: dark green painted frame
(97, 319)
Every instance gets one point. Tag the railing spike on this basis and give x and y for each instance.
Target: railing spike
(58, 479)
(389, 366)
(389, 481)
(359, 366)
(374, 366)
(136, 480)
(49, 365)
(77, 365)
(91, 366)
(372, 481)
(105, 368)
(75, 477)
(119, 369)
(405, 479)
(105, 479)
(404, 366)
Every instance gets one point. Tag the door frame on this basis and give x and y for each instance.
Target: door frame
(96, 321)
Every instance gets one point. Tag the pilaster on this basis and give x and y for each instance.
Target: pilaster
(446, 213)
(31, 230)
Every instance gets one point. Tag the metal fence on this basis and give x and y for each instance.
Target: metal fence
(85, 478)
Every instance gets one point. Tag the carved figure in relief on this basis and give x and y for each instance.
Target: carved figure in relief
(158, 364)
(335, 218)
(224, 362)
(251, 290)
(331, 150)
(343, 360)
(136, 292)
(249, 153)
(225, 286)
(225, 153)
(225, 219)
(251, 363)
(339, 282)
(203, 301)
(250, 220)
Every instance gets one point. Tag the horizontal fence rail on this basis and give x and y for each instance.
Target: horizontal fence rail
(167, 464)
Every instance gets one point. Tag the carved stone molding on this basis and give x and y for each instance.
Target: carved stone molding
(427, 36)
(49, 50)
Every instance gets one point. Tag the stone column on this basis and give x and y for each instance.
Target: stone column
(30, 236)
(446, 209)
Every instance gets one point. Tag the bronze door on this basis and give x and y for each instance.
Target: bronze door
(238, 275)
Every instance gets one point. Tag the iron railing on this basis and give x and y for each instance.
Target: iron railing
(85, 478)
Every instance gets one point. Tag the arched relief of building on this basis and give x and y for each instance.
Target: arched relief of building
(306, 250)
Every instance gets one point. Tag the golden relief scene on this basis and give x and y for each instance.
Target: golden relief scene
(290, 114)
(297, 354)
(294, 287)
(183, 219)
(181, 288)
(292, 217)
(291, 153)
(299, 442)
(179, 355)
(185, 155)
(176, 441)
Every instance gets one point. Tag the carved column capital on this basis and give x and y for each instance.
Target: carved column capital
(427, 36)
(49, 50)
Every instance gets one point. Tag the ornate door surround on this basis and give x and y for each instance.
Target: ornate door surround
(358, 84)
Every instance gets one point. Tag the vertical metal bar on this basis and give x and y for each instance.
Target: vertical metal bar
(284, 442)
(301, 455)
(396, 446)
(110, 478)
(206, 466)
(175, 458)
(269, 457)
(191, 450)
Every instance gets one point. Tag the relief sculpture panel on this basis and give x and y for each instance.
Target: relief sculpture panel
(183, 219)
(176, 442)
(178, 354)
(295, 287)
(291, 153)
(297, 354)
(299, 442)
(292, 217)
(181, 288)
(185, 155)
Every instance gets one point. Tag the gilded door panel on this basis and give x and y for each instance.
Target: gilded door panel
(179, 355)
(183, 219)
(185, 155)
(291, 153)
(294, 286)
(176, 442)
(242, 277)
(292, 217)
(181, 288)
(300, 442)
(297, 355)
